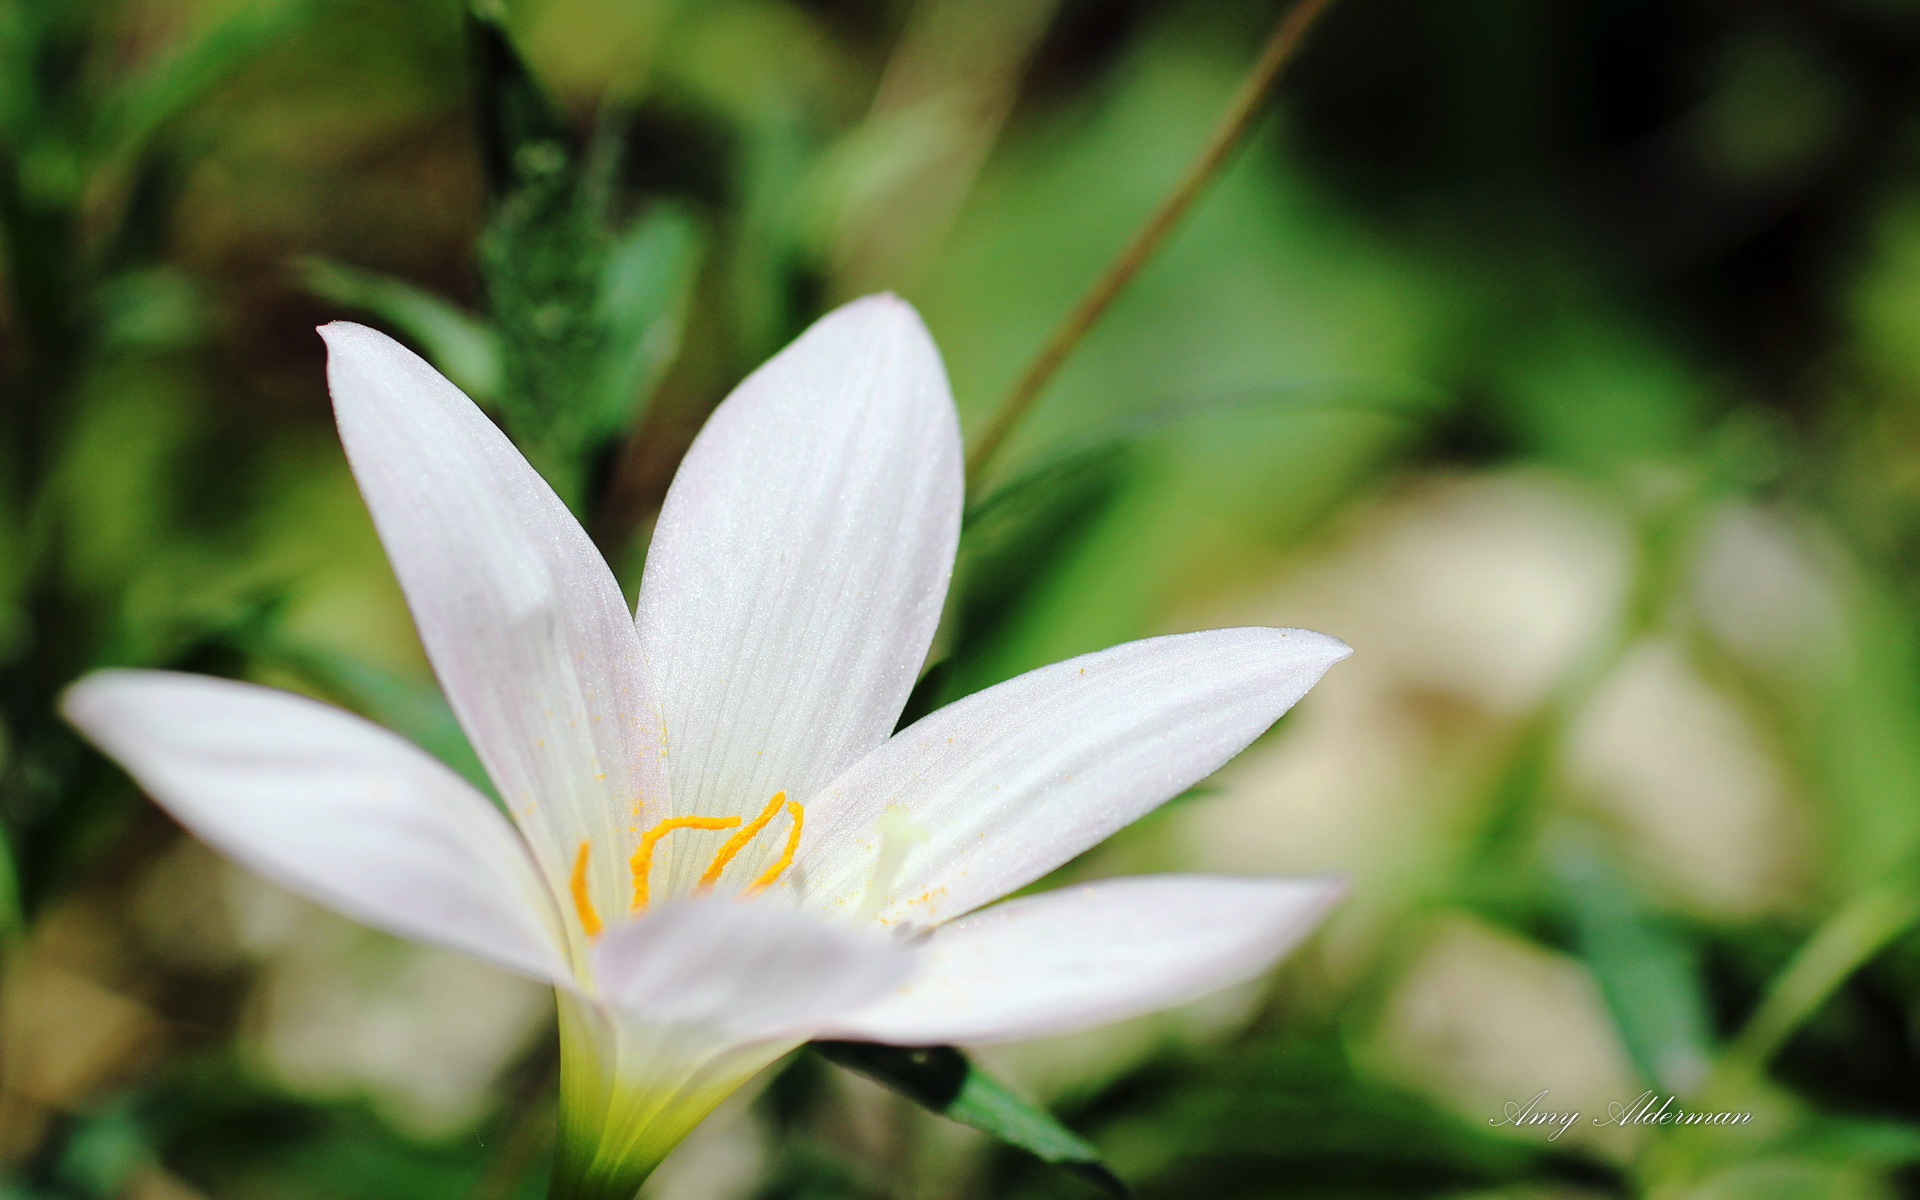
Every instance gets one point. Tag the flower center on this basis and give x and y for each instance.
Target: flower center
(642, 861)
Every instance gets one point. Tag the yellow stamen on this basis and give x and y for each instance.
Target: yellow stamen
(736, 843)
(786, 855)
(582, 904)
(642, 861)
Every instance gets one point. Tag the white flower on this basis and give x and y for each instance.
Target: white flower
(720, 851)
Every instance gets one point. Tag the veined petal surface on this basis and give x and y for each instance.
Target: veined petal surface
(519, 614)
(692, 998)
(799, 565)
(1082, 956)
(742, 970)
(1010, 782)
(331, 806)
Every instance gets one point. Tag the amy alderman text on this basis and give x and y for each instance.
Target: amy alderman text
(1649, 1108)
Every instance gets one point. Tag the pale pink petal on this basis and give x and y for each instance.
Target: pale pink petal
(741, 970)
(333, 807)
(520, 615)
(1082, 956)
(800, 563)
(1010, 782)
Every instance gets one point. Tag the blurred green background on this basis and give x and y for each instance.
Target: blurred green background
(1562, 356)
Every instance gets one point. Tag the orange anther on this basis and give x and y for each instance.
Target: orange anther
(786, 855)
(736, 843)
(582, 903)
(642, 860)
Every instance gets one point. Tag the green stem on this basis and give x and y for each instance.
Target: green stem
(1843, 944)
(1530, 771)
(1234, 123)
(1674, 1161)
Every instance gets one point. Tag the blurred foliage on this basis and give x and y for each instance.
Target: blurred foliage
(943, 1080)
(1560, 356)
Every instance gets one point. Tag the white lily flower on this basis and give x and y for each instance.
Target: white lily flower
(719, 847)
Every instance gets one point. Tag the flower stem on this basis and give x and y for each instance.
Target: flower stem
(1281, 46)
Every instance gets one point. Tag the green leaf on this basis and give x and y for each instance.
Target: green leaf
(1647, 974)
(541, 256)
(644, 290)
(12, 919)
(1844, 942)
(522, 138)
(1860, 1140)
(21, 33)
(463, 346)
(1867, 742)
(1388, 394)
(150, 99)
(1214, 1121)
(587, 316)
(105, 1151)
(945, 1081)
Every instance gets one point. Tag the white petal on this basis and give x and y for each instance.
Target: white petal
(522, 619)
(1012, 781)
(741, 969)
(1082, 956)
(332, 806)
(800, 562)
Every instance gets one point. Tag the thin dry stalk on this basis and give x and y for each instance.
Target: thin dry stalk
(1280, 50)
